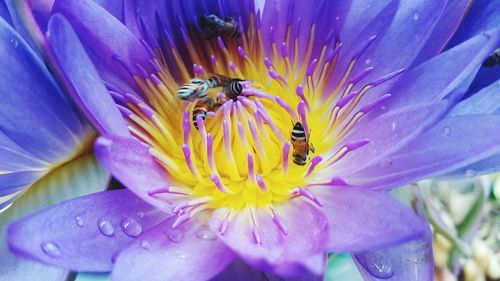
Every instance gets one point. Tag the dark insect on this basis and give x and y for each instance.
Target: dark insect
(201, 109)
(300, 143)
(232, 87)
(213, 26)
(493, 60)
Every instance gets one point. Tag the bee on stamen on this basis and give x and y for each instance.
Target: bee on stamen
(232, 87)
(201, 109)
(301, 146)
(214, 25)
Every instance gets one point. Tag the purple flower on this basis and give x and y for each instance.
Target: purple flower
(207, 188)
(45, 146)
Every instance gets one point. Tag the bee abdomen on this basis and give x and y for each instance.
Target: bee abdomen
(202, 113)
(234, 89)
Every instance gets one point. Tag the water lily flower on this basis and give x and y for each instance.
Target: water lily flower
(45, 146)
(209, 194)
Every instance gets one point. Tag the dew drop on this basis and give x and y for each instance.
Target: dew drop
(393, 125)
(385, 162)
(131, 227)
(105, 227)
(51, 249)
(145, 245)
(377, 265)
(446, 131)
(174, 235)
(14, 42)
(470, 173)
(114, 256)
(206, 234)
(416, 16)
(79, 221)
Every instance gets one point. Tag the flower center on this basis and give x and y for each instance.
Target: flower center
(258, 146)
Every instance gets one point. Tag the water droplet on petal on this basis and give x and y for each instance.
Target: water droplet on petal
(206, 234)
(416, 16)
(79, 221)
(377, 264)
(470, 173)
(14, 42)
(131, 227)
(51, 249)
(145, 244)
(105, 227)
(140, 214)
(174, 235)
(394, 125)
(446, 131)
(385, 162)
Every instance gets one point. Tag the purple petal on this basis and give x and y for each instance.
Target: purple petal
(85, 233)
(409, 262)
(453, 13)
(402, 25)
(82, 79)
(102, 33)
(360, 219)
(47, 125)
(4, 13)
(284, 13)
(436, 78)
(486, 101)
(13, 182)
(267, 246)
(78, 177)
(131, 163)
(114, 7)
(482, 16)
(485, 166)
(453, 143)
(360, 15)
(394, 130)
(240, 271)
(19, 159)
(190, 252)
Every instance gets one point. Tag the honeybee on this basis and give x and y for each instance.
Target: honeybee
(196, 89)
(201, 109)
(493, 60)
(213, 25)
(300, 143)
(232, 87)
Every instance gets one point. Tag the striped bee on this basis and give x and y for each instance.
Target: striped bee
(213, 26)
(196, 89)
(300, 143)
(201, 109)
(232, 87)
